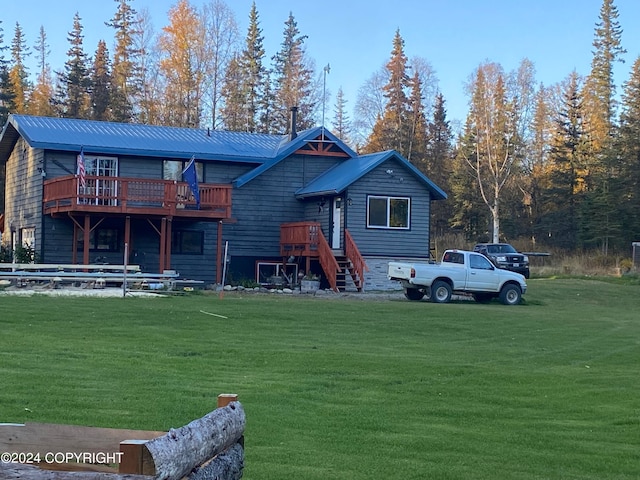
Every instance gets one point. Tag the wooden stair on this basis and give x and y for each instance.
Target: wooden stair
(346, 269)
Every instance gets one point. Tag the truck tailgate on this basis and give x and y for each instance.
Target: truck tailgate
(400, 270)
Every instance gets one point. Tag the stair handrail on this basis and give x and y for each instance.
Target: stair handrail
(328, 261)
(353, 254)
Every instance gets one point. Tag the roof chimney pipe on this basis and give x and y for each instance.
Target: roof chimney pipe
(294, 119)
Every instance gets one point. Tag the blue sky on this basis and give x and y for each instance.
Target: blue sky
(355, 36)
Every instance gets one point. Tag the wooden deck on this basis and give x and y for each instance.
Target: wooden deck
(135, 196)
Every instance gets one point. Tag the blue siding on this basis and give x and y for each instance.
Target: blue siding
(373, 241)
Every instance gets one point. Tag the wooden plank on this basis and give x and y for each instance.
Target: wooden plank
(66, 266)
(44, 438)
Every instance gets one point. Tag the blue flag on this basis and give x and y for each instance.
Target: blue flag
(191, 177)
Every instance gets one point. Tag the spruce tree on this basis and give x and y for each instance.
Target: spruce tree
(535, 169)
(6, 93)
(392, 130)
(341, 123)
(628, 144)
(18, 72)
(294, 86)
(438, 165)
(251, 76)
(416, 147)
(233, 112)
(600, 224)
(41, 101)
(125, 76)
(73, 93)
(101, 84)
(566, 174)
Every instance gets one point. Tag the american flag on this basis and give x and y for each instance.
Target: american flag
(81, 170)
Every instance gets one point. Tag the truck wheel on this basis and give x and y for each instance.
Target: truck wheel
(440, 292)
(413, 293)
(510, 294)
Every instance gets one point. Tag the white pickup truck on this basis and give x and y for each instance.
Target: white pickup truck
(459, 271)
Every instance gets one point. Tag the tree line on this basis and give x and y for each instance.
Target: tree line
(553, 165)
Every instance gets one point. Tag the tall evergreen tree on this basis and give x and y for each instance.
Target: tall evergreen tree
(393, 128)
(416, 146)
(125, 75)
(41, 101)
(73, 94)
(5, 98)
(233, 113)
(244, 99)
(469, 214)
(18, 72)
(535, 169)
(600, 224)
(101, 84)
(599, 88)
(566, 174)
(438, 165)
(294, 85)
(341, 123)
(628, 145)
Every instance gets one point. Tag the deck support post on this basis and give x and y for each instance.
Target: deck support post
(219, 254)
(86, 236)
(163, 241)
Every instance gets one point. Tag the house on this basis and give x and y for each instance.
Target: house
(268, 204)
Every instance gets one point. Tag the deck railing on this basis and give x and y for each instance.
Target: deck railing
(135, 195)
(299, 239)
(305, 239)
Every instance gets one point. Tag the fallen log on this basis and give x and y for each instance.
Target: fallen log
(228, 465)
(177, 453)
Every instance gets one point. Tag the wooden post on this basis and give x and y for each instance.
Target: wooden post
(135, 458)
(86, 232)
(225, 399)
(127, 232)
(167, 263)
(219, 254)
(163, 242)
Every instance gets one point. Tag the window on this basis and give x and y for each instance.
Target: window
(479, 262)
(101, 191)
(172, 170)
(101, 240)
(388, 212)
(187, 242)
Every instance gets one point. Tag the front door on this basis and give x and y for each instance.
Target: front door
(336, 226)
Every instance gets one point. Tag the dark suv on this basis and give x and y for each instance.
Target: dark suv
(504, 256)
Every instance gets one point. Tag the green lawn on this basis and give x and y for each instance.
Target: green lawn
(350, 389)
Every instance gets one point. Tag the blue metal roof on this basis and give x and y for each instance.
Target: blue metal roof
(338, 178)
(171, 142)
(142, 140)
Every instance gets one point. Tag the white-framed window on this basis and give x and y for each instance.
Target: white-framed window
(104, 191)
(388, 212)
